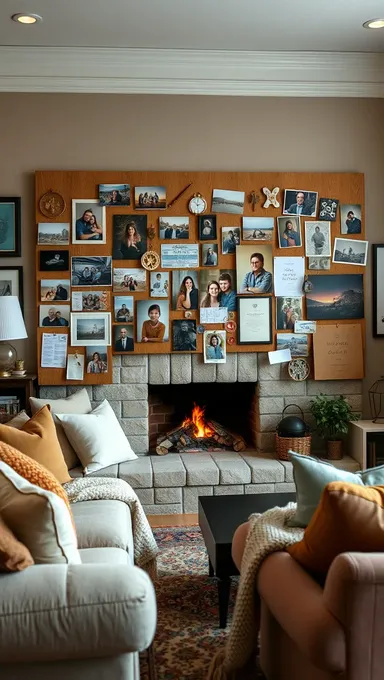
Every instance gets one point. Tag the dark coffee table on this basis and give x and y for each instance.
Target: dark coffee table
(219, 517)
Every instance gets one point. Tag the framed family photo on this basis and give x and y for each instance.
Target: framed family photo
(11, 282)
(88, 222)
(255, 320)
(90, 328)
(10, 227)
(378, 290)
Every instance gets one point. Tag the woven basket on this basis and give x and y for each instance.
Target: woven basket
(298, 444)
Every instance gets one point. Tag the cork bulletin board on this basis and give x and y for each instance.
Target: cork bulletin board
(348, 188)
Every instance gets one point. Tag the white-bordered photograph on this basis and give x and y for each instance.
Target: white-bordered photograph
(215, 347)
(224, 201)
(91, 300)
(53, 234)
(123, 308)
(350, 219)
(54, 316)
(297, 344)
(152, 321)
(75, 366)
(90, 328)
(174, 227)
(129, 280)
(114, 194)
(54, 290)
(317, 239)
(300, 202)
(258, 228)
(88, 221)
(91, 271)
(350, 251)
(289, 232)
(96, 359)
(319, 263)
(230, 238)
(209, 254)
(159, 286)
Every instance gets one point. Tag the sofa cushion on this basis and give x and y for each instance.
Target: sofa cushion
(14, 556)
(104, 556)
(103, 523)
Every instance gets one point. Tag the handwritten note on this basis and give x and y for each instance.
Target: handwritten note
(338, 352)
(288, 275)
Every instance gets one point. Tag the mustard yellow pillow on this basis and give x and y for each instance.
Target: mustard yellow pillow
(349, 518)
(14, 556)
(38, 440)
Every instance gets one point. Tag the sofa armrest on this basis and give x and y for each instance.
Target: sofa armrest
(53, 612)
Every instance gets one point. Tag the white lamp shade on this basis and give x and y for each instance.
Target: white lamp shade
(12, 325)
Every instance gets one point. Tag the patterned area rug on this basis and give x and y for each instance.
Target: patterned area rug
(188, 633)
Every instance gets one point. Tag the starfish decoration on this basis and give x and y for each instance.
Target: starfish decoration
(271, 197)
(253, 198)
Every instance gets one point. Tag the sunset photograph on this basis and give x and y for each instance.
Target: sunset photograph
(335, 296)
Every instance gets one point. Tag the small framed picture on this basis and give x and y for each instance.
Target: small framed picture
(75, 366)
(96, 359)
(230, 238)
(289, 232)
(123, 308)
(129, 280)
(150, 198)
(350, 251)
(328, 209)
(255, 320)
(90, 328)
(215, 348)
(378, 290)
(159, 284)
(300, 202)
(209, 254)
(318, 239)
(54, 290)
(11, 282)
(123, 340)
(114, 194)
(91, 300)
(54, 260)
(174, 227)
(88, 222)
(207, 227)
(350, 219)
(184, 335)
(258, 228)
(152, 321)
(129, 237)
(56, 234)
(91, 271)
(10, 227)
(54, 315)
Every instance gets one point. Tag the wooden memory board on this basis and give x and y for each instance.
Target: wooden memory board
(348, 188)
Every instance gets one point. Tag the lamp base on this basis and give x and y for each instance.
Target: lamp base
(7, 359)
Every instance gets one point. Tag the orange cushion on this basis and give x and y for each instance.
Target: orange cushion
(14, 556)
(349, 518)
(38, 440)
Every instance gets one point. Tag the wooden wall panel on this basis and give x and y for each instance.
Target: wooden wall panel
(347, 187)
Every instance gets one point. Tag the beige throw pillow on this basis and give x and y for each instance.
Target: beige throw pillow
(76, 403)
(18, 421)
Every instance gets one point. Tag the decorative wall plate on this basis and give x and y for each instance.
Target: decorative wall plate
(298, 369)
(150, 260)
(52, 204)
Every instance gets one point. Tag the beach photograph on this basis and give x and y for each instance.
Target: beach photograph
(258, 228)
(228, 201)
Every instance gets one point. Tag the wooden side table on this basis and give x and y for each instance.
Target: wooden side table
(366, 443)
(22, 386)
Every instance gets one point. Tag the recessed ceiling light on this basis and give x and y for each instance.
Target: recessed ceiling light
(27, 18)
(374, 23)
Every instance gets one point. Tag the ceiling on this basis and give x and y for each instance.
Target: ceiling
(279, 25)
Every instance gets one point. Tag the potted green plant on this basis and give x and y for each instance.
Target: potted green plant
(332, 416)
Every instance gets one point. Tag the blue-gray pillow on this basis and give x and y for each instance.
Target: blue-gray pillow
(311, 475)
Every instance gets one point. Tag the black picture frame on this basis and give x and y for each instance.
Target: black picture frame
(249, 301)
(377, 286)
(212, 235)
(16, 227)
(18, 271)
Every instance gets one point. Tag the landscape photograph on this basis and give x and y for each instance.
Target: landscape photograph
(335, 296)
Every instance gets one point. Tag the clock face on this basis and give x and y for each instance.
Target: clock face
(197, 205)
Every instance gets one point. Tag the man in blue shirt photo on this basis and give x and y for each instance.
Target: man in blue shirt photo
(87, 227)
(258, 280)
(227, 296)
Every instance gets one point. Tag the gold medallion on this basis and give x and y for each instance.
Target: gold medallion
(150, 260)
(52, 204)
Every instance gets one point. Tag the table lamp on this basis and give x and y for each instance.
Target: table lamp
(11, 328)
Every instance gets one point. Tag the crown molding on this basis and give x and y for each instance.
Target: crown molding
(201, 72)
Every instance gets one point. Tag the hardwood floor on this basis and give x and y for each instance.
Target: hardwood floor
(173, 520)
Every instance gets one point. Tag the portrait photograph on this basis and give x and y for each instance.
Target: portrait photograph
(129, 280)
(96, 359)
(152, 321)
(289, 232)
(54, 315)
(123, 308)
(11, 282)
(150, 198)
(88, 222)
(228, 201)
(174, 227)
(184, 335)
(297, 344)
(185, 289)
(180, 256)
(56, 234)
(300, 202)
(123, 340)
(114, 194)
(209, 254)
(335, 296)
(91, 271)
(10, 227)
(54, 260)
(207, 227)
(215, 348)
(159, 286)
(90, 328)
(319, 263)
(75, 366)
(350, 251)
(328, 209)
(254, 269)
(90, 300)
(230, 238)
(350, 219)
(255, 320)
(317, 239)
(288, 310)
(54, 290)
(258, 228)
(129, 236)
(225, 280)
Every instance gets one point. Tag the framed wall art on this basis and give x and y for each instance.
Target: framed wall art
(255, 320)
(10, 227)
(11, 282)
(378, 290)
(90, 328)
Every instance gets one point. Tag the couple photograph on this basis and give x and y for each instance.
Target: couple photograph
(88, 222)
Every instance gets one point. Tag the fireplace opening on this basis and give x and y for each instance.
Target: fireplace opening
(200, 417)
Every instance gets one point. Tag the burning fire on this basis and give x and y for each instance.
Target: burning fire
(200, 427)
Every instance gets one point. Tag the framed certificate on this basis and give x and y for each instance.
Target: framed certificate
(255, 320)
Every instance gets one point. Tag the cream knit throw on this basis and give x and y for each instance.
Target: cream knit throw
(268, 533)
(106, 488)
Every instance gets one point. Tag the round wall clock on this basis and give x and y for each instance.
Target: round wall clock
(197, 204)
(298, 369)
(52, 204)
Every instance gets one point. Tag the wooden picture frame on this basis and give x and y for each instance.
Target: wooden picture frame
(15, 280)
(255, 320)
(378, 290)
(10, 227)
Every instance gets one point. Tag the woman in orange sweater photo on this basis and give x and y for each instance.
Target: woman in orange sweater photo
(153, 330)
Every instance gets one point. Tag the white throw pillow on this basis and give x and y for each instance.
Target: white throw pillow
(39, 518)
(97, 438)
(18, 421)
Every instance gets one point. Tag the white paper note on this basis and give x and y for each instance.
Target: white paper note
(213, 314)
(54, 350)
(288, 276)
(279, 356)
(75, 366)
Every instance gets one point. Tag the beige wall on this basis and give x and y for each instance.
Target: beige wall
(116, 132)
